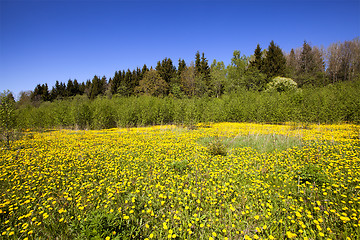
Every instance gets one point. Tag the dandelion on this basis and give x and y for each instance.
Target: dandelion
(290, 234)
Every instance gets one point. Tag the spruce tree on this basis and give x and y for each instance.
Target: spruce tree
(205, 74)
(258, 61)
(197, 63)
(181, 66)
(69, 88)
(275, 62)
(166, 69)
(291, 63)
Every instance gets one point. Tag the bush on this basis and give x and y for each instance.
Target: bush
(281, 84)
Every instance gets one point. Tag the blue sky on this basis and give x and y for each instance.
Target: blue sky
(42, 41)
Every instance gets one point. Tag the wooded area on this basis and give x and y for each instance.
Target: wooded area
(307, 85)
(307, 66)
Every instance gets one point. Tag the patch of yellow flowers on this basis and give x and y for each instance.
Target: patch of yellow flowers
(160, 180)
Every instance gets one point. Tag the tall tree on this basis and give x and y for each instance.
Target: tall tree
(205, 74)
(258, 59)
(166, 69)
(25, 98)
(98, 87)
(311, 67)
(197, 63)
(291, 63)
(40, 93)
(70, 88)
(152, 84)
(306, 59)
(236, 71)
(218, 77)
(188, 80)
(275, 62)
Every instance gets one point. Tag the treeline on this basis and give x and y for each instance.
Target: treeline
(308, 66)
(331, 104)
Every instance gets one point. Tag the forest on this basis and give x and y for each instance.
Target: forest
(309, 84)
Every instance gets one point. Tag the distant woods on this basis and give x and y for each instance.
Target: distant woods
(308, 66)
(309, 84)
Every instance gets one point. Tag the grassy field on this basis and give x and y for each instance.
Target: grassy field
(213, 181)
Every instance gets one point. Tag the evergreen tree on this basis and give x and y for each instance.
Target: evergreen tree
(70, 88)
(166, 69)
(258, 60)
(306, 59)
(291, 63)
(197, 63)
(40, 93)
(76, 90)
(82, 88)
(181, 67)
(311, 67)
(143, 71)
(96, 87)
(275, 62)
(205, 74)
(115, 82)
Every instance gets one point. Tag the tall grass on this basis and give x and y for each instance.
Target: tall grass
(262, 143)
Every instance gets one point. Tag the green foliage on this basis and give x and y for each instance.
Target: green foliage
(7, 116)
(152, 84)
(281, 84)
(275, 62)
(330, 104)
(179, 166)
(236, 71)
(101, 224)
(103, 114)
(313, 174)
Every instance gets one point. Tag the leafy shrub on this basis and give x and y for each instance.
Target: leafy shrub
(281, 84)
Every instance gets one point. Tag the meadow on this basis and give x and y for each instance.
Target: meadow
(211, 181)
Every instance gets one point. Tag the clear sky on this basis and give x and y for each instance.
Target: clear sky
(42, 41)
